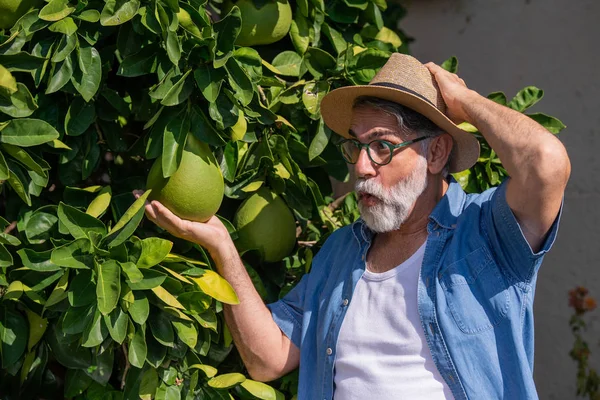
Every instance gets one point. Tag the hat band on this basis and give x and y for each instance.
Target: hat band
(403, 88)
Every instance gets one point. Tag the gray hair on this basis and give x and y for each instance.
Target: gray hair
(409, 122)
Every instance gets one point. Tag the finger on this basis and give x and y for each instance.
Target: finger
(137, 193)
(168, 220)
(150, 213)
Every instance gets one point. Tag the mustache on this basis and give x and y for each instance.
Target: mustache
(369, 186)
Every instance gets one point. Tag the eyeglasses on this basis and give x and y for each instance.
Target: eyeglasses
(379, 151)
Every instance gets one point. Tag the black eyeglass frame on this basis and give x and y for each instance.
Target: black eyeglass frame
(366, 146)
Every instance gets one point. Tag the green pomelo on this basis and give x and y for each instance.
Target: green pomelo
(12, 10)
(264, 222)
(195, 191)
(264, 25)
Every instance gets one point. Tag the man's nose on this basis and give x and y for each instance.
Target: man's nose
(364, 166)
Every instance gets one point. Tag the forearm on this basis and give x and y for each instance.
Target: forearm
(529, 153)
(256, 336)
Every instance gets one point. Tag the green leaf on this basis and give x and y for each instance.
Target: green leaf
(498, 97)
(554, 125)
(68, 353)
(76, 254)
(179, 92)
(100, 203)
(368, 63)
(55, 10)
(226, 32)
(239, 81)
(4, 172)
(66, 26)
(92, 16)
(95, 332)
(226, 381)
(75, 319)
(80, 116)
(186, 331)
(195, 302)
(20, 104)
(37, 261)
(140, 308)
(262, 390)
(209, 81)
(133, 273)
(151, 280)
(154, 250)
(117, 322)
(18, 180)
(8, 83)
(61, 77)
(128, 223)
(312, 94)
(175, 134)
(8, 239)
(138, 348)
(59, 292)
(451, 65)
(27, 132)
(166, 297)
(161, 328)
(26, 158)
(41, 225)
(86, 78)
(37, 328)
(149, 384)
(319, 142)
(78, 223)
(217, 287)
(22, 61)
(13, 336)
(109, 286)
(83, 289)
(173, 47)
(319, 62)
(300, 33)
(117, 12)
(66, 45)
(141, 63)
(526, 98)
(288, 63)
(76, 382)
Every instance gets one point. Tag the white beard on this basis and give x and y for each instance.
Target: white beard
(395, 203)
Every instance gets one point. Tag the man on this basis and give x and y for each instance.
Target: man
(430, 294)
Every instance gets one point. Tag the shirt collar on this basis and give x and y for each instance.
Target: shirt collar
(444, 214)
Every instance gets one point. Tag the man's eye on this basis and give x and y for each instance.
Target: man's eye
(379, 146)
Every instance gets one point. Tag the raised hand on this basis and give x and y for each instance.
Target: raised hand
(454, 91)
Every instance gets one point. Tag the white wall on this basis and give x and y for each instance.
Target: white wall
(554, 45)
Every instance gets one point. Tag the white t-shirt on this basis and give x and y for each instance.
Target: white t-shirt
(381, 350)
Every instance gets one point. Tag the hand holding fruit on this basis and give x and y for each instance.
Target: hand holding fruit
(212, 234)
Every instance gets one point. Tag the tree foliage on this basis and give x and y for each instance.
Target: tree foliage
(98, 303)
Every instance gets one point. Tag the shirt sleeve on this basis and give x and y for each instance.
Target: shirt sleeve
(288, 311)
(507, 238)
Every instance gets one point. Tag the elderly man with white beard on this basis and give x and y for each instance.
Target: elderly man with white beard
(429, 295)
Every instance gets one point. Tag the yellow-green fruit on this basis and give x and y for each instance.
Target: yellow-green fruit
(264, 222)
(12, 10)
(264, 25)
(195, 190)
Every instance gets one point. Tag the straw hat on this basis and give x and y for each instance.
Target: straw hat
(404, 80)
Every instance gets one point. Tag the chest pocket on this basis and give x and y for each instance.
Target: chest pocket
(476, 292)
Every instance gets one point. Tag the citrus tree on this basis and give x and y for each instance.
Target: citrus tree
(212, 107)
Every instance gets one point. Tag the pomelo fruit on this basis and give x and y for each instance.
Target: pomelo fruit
(264, 25)
(264, 222)
(12, 10)
(195, 191)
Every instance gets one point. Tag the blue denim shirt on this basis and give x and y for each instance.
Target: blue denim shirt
(475, 299)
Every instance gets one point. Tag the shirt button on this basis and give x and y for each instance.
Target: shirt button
(345, 302)
(329, 351)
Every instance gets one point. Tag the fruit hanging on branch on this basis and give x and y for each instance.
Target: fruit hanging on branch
(262, 24)
(265, 223)
(195, 190)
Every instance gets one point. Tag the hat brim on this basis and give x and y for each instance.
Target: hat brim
(336, 109)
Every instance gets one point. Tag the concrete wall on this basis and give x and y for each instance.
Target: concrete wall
(552, 44)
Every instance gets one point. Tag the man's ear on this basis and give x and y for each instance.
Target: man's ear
(439, 151)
